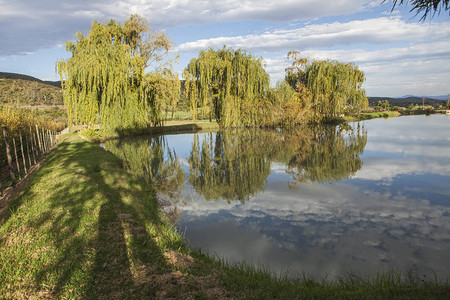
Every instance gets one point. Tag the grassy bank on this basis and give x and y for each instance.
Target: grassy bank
(372, 115)
(85, 228)
(178, 126)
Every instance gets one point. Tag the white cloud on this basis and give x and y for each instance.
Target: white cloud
(181, 12)
(432, 50)
(375, 31)
(29, 25)
(419, 69)
(414, 56)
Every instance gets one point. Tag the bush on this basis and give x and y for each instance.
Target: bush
(21, 120)
(91, 134)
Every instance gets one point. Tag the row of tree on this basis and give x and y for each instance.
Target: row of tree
(105, 82)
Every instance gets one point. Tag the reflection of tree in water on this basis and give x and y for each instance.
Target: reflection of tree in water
(230, 166)
(151, 160)
(235, 165)
(331, 155)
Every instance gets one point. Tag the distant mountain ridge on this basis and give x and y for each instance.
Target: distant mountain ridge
(6, 75)
(441, 97)
(407, 100)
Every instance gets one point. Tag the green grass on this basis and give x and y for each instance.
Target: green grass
(178, 115)
(259, 283)
(85, 228)
(182, 113)
(373, 115)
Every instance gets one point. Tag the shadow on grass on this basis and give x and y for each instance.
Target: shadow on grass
(95, 232)
(11, 198)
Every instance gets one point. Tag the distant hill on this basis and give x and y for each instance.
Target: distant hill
(405, 101)
(24, 89)
(441, 97)
(29, 78)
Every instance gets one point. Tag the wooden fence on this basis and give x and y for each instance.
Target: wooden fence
(20, 151)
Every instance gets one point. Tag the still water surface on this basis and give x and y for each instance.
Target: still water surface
(330, 200)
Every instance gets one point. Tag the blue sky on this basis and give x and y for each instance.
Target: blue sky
(399, 54)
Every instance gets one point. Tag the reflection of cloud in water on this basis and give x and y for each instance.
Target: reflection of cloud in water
(278, 168)
(410, 136)
(393, 213)
(394, 146)
(377, 168)
(324, 229)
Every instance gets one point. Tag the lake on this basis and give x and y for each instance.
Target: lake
(318, 200)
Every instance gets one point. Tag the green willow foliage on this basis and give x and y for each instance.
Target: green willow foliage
(336, 88)
(229, 85)
(104, 80)
(163, 92)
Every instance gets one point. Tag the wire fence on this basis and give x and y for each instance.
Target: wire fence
(19, 152)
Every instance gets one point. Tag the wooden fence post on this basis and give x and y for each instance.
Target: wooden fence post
(28, 151)
(23, 154)
(8, 155)
(44, 140)
(39, 139)
(36, 142)
(17, 159)
(50, 138)
(32, 146)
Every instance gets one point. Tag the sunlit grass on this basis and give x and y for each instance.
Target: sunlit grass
(177, 115)
(372, 115)
(83, 228)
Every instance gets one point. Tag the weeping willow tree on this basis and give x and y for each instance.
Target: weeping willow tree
(162, 90)
(229, 85)
(335, 88)
(191, 93)
(104, 81)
